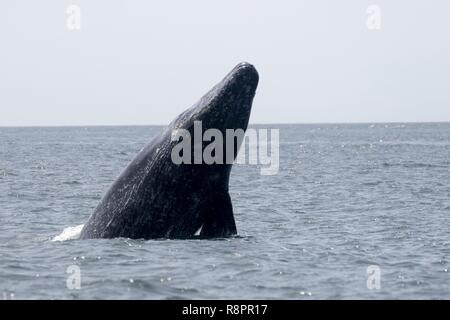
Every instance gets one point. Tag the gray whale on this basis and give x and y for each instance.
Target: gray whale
(156, 198)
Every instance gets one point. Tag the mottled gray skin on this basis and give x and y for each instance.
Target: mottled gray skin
(155, 198)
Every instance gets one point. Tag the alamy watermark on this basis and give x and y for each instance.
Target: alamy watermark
(73, 281)
(73, 18)
(373, 277)
(373, 21)
(221, 149)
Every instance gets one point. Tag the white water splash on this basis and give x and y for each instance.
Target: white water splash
(69, 233)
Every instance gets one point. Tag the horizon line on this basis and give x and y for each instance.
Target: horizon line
(250, 124)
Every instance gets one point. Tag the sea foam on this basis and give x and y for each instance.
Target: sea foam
(69, 233)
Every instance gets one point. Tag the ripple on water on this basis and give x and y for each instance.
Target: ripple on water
(342, 201)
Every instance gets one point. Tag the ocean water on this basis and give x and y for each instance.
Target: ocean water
(346, 197)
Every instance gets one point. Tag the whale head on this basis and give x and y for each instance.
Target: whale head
(224, 110)
(227, 105)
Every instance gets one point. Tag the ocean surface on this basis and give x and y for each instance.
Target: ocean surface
(346, 198)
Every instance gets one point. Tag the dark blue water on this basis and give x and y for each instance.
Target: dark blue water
(346, 197)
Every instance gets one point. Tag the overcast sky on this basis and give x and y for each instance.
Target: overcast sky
(144, 62)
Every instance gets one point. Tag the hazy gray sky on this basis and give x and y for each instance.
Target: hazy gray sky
(144, 62)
